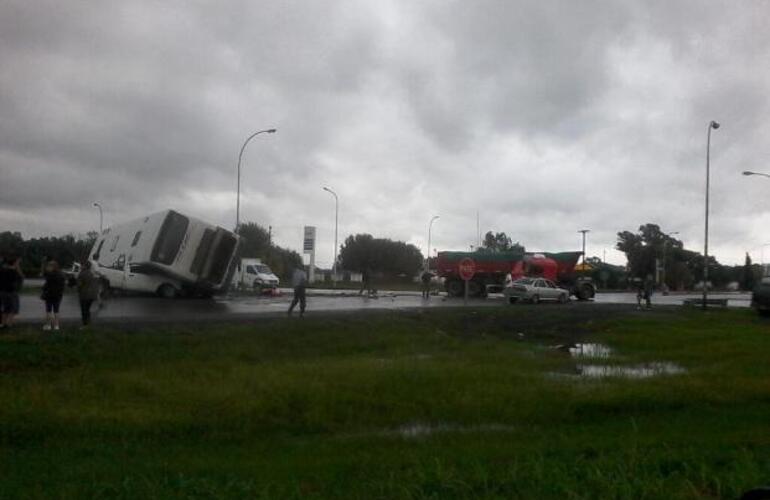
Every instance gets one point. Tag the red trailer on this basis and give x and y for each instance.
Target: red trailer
(492, 268)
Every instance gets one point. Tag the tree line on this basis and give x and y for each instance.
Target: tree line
(644, 249)
(66, 250)
(683, 268)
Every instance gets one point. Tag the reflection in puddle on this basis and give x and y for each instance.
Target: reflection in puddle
(590, 351)
(595, 351)
(636, 371)
(416, 430)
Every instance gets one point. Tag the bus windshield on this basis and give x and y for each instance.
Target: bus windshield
(170, 238)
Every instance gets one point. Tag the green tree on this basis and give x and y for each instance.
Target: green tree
(499, 242)
(255, 241)
(363, 251)
(255, 244)
(747, 277)
(65, 249)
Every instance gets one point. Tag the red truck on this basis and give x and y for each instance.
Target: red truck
(492, 269)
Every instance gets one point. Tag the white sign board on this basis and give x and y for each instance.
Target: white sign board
(309, 242)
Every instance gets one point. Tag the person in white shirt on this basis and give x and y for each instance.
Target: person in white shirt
(299, 282)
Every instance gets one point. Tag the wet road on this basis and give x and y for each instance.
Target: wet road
(233, 307)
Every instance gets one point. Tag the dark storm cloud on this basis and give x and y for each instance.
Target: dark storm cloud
(545, 116)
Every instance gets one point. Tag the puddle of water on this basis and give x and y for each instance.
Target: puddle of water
(590, 351)
(417, 430)
(415, 357)
(646, 370)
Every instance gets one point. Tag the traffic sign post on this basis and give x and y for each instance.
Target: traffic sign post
(466, 268)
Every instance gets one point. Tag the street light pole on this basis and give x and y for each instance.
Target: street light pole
(101, 218)
(747, 172)
(336, 219)
(712, 125)
(430, 226)
(240, 156)
(584, 231)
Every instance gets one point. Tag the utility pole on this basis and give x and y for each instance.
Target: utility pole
(584, 231)
(713, 125)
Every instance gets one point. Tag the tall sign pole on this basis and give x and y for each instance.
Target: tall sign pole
(466, 268)
(584, 231)
(308, 247)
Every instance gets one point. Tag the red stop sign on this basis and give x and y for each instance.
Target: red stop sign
(467, 268)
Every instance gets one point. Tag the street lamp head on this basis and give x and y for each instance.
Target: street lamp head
(714, 125)
(273, 131)
(746, 172)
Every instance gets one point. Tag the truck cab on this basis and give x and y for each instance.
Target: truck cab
(253, 274)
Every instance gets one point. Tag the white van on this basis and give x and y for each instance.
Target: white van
(253, 274)
(166, 253)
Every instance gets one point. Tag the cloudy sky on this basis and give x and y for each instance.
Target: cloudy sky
(546, 117)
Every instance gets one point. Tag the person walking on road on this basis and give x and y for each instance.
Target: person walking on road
(425, 278)
(53, 291)
(649, 287)
(88, 291)
(299, 282)
(11, 280)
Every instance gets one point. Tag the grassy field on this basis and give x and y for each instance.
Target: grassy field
(437, 404)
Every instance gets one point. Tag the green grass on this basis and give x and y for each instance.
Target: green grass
(313, 408)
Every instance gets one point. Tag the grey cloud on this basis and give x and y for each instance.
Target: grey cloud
(545, 116)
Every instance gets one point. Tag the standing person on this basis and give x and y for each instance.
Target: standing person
(425, 278)
(53, 291)
(299, 282)
(88, 291)
(649, 287)
(11, 280)
(365, 277)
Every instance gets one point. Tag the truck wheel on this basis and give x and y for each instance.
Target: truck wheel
(167, 291)
(455, 288)
(585, 292)
(536, 299)
(475, 289)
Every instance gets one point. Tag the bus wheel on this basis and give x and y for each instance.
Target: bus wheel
(167, 291)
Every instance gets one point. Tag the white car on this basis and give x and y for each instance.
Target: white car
(535, 290)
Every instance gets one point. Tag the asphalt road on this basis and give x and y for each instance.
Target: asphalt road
(131, 308)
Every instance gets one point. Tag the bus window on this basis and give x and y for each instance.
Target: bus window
(250, 270)
(136, 238)
(170, 238)
(114, 243)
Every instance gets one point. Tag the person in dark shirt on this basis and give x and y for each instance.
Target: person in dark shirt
(425, 277)
(88, 291)
(11, 279)
(53, 291)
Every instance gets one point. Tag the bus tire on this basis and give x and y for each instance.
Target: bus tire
(167, 291)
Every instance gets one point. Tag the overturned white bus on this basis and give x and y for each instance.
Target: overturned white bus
(166, 253)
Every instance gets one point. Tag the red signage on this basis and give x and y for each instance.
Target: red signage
(467, 268)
